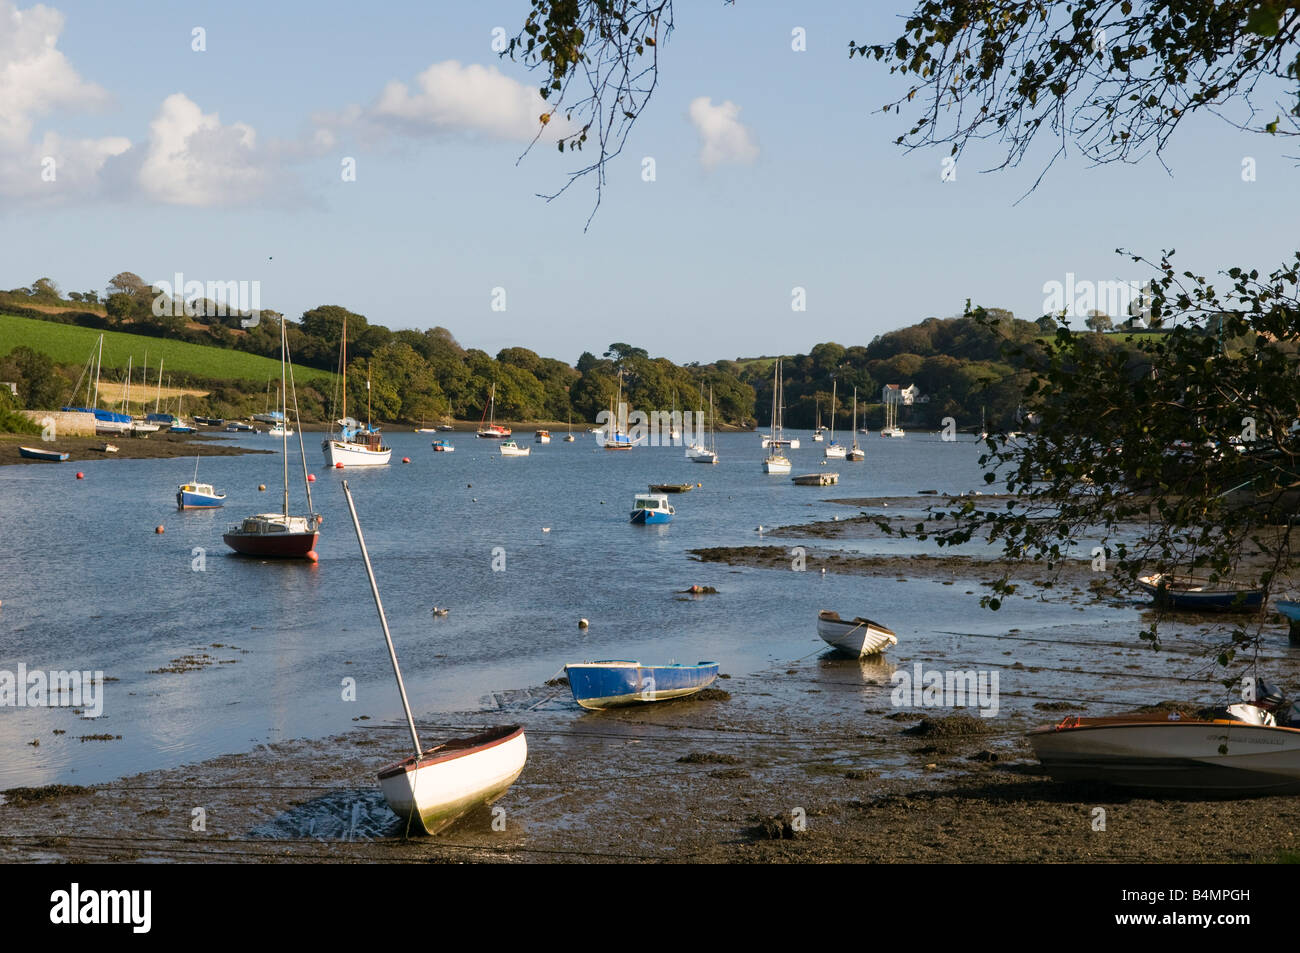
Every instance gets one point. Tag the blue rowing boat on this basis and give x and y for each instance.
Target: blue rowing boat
(615, 682)
(49, 456)
(1186, 592)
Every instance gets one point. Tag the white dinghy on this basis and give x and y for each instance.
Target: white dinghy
(435, 788)
(857, 637)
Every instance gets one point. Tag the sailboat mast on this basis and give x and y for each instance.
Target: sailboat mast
(302, 449)
(98, 365)
(834, 384)
(284, 430)
(343, 363)
(158, 396)
(383, 620)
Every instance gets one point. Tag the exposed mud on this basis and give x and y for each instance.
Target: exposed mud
(154, 447)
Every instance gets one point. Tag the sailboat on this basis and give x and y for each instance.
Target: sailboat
(569, 438)
(614, 438)
(819, 433)
(891, 428)
(423, 429)
(107, 423)
(354, 447)
(493, 431)
(856, 453)
(269, 416)
(833, 449)
(700, 454)
(776, 461)
(279, 535)
(433, 789)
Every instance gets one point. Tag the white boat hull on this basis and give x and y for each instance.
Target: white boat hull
(835, 452)
(354, 455)
(446, 785)
(776, 466)
(1222, 756)
(856, 637)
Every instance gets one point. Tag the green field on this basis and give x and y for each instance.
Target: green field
(70, 344)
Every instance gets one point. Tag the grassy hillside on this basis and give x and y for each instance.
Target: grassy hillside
(70, 344)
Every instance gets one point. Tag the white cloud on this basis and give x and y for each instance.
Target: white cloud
(449, 97)
(192, 159)
(35, 79)
(723, 138)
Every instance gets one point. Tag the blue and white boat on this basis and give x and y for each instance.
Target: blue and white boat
(1187, 592)
(615, 682)
(651, 508)
(198, 496)
(49, 456)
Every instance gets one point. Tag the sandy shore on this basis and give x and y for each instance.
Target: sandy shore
(156, 446)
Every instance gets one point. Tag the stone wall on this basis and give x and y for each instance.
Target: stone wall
(66, 423)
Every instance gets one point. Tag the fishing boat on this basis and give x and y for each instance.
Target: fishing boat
(857, 637)
(492, 430)
(434, 788)
(615, 682)
(855, 453)
(280, 430)
(1187, 592)
(511, 449)
(443, 446)
(279, 535)
(542, 436)
(1243, 753)
(775, 461)
(649, 509)
(816, 479)
(354, 446)
(698, 453)
(671, 487)
(834, 451)
(49, 456)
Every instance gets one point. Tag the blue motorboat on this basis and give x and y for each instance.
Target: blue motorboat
(615, 682)
(198, 496)
(651, 508)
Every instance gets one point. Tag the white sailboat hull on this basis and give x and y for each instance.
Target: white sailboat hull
(354, 455)
(835, 451)
(448, 782)
(776, 466)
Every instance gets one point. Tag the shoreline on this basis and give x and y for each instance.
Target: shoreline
(154, 447)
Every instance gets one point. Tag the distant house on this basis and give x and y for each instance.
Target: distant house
(13, 387)
(907, 396)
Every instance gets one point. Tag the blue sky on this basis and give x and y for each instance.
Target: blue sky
(802, 185)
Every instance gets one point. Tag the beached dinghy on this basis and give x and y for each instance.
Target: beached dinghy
(435, 788)
(611, 683)
(1187, 592)
(859, 637)
(49, 456)
(1244, 754)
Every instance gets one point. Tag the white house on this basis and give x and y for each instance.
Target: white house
(907, 396)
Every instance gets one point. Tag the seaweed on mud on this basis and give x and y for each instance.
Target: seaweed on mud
(708, 757)
(714, 694)
(21, 797)
(950, 726)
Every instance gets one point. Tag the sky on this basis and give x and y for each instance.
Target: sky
(219, 141)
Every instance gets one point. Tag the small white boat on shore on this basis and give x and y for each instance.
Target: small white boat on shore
(434, 788)
(857, 637)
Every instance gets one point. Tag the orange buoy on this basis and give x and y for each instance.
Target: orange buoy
(339, 465)
(311, 478)
(80, 475)
(261, 488)
(312, 557)
(406, 459)
(158, 530)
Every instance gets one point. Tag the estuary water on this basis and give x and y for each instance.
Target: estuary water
(209, 653)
